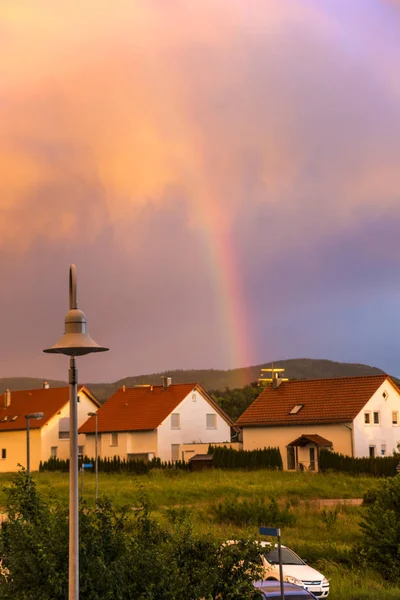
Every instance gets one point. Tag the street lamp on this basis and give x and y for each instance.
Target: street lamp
(95, 415)
(35, 415)
(76, 341)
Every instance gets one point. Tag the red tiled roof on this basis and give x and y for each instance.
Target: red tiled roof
(324, 401)
(138, 409)
(48, 401)
(142, 408)
(312, 438)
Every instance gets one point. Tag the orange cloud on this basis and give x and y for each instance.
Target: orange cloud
(138, 98)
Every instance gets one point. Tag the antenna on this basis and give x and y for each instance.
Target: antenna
(276, 377)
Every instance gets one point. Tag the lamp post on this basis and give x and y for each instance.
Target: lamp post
(76, 341)
(96, 453)
(35, 415)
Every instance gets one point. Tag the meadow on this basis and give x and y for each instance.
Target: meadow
(324, 535)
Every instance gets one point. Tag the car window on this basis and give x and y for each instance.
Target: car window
(288, 557)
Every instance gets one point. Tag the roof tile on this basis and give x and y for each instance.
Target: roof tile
(138, 408)
(336, 400)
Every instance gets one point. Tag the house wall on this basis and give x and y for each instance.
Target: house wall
(50, 430)
(14, 442)
(384, 434)
(138, 442)
(262, 437)
(192, 410)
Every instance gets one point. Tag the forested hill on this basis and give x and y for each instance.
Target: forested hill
(212, 379)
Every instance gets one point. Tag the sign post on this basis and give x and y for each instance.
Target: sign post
(83, 467)
(276, 532)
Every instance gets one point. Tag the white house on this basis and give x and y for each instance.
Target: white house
(156, 421)
(356, 416)
(48, 436)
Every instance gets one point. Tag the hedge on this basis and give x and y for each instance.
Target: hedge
(114, 465)
(228, 458)
(380, 466)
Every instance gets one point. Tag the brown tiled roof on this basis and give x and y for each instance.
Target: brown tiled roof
(48, 401)
(138, 408)
(312, 438)
(324, 401)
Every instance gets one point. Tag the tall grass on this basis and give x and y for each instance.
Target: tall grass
(327, 540)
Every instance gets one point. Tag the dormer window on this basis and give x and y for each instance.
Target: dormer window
(296, 409)
(14, 418)
(4, 419)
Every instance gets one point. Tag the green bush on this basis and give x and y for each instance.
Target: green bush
(253, 512)
(115, 465)
(229, 458)
(380, 466)
(381, 529)
(123, 554)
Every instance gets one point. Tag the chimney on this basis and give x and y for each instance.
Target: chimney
(276, 380)
(166, 381)
(123, 388)
(7, 398)
(46, 385)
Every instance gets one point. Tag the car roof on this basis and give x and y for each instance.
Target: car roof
(273, 589)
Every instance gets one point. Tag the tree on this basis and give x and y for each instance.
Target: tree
(123, 554)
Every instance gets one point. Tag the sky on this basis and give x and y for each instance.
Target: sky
(224, 175)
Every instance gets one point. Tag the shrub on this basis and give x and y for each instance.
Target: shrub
(379, 466)
(123, 554)
(380, 525)
(253, 512)
(228, 458)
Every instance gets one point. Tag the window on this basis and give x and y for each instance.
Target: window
(367, 418)
(53, 451)
(63, 429)
(193, 397)
(395, 418)
(80, 450)
(385, 395)
(383, 449)
(211, 421)
(4, 453)
(296, 409)
(114, 439)
(175, 421)
(372, 451)
(174, 451)
(376, 418)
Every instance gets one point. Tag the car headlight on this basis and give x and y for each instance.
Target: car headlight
(325, 581)
(294, 580)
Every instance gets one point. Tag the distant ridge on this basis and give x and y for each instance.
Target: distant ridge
(212, 379)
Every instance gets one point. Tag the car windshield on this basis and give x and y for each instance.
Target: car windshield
(288, 557)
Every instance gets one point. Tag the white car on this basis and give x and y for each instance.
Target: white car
(295, 570)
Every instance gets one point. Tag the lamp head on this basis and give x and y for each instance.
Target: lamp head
(76, 340)
(35, 415)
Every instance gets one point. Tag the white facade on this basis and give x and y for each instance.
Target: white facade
(381, 435)
(194, 427)
(51, 443)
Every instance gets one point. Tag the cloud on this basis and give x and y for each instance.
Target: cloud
(135, 136)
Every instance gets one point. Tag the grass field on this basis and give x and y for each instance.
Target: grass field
(325, 543)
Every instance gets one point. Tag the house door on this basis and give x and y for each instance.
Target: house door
(312, 459)
(291, 460)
